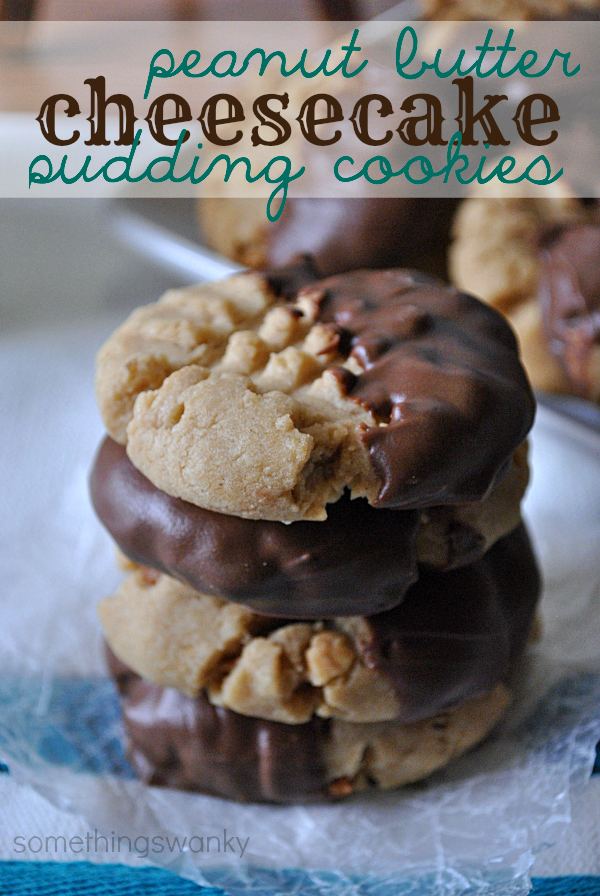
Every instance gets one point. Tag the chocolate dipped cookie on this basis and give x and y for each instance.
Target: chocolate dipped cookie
(538, 261)
(360, 560)
(340, 234)
(387, 384)
(190, 744)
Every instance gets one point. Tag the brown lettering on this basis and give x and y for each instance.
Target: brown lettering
(97, 117)
(210, 122)
(467, 118)
(309, 121)
(433, 119)
(47, 118)
(360, 118)
(272, 119)
(157, 121)
(525, 122)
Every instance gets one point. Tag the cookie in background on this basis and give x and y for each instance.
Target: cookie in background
(538, 262)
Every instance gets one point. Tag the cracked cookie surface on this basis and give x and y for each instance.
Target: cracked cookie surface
(388, 384)
(190, 744)
(455, 636)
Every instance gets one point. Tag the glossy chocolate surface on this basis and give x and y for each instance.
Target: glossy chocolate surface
(359, 560)
(569, 296)
(347, 234)
(187, 743)
(456, 634)
(288, 279)
(454, 637)
(441, 370)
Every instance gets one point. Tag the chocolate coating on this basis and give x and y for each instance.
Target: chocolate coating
(442, 370)
(569, 296)
(359, 560)
(454, 637)
(288, 279)
(348, 234)
(340, 10)
(187, 743)
(458, 633)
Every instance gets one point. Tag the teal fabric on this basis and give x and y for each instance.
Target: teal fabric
(80, 726)
(566, 886)
(85, 879)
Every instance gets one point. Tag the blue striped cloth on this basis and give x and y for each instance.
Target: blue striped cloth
(85, 879)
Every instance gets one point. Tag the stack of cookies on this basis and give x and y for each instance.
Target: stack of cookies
(315, 488)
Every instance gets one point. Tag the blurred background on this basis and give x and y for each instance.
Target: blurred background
(188, 10)
(63, 259)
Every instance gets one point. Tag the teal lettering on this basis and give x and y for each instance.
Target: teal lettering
(157, 71)
(401, 66)
(457, 163)
(36, 177)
